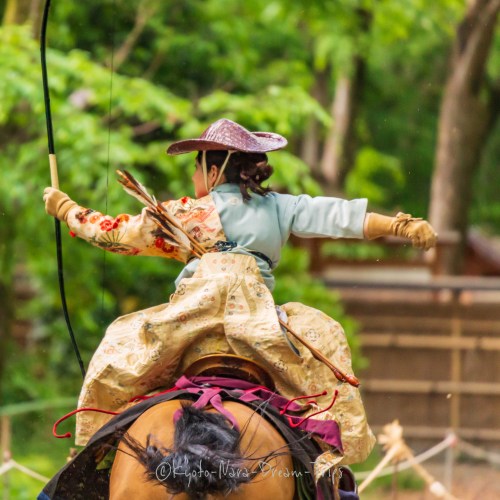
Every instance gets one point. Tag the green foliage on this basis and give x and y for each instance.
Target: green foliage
(357, 251)
(486, 207)
(292, 175)
(34, 447)
(376, 176)
(259, 110)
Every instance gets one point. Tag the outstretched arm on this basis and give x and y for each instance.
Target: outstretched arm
(125, 234)
(309, 217)
(419, 231)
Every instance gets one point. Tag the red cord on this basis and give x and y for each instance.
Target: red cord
(135, 398)
(285, 408)
(108, 412)
(74, 412)
(302, 420)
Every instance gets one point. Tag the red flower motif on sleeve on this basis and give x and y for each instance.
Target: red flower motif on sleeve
(184, 199)
(119, 219)
(163, 245)
(106, 225)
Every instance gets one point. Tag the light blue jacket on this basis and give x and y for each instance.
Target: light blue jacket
(264, 223)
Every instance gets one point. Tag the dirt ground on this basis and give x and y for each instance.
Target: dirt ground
(470, 482)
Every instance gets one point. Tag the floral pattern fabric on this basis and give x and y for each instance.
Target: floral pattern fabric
(140, 235)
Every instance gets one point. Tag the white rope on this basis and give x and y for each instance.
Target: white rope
(450, 440)
(479, 453)
(12, 464)
(6, 467)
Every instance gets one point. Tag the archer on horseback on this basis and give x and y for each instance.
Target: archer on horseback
(232, 235)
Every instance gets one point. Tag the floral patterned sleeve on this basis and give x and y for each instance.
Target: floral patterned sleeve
(124, 234)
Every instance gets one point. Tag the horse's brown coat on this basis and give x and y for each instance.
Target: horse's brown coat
(259, 439)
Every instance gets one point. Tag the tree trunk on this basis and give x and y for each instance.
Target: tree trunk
(16, 12)
(36, 9)
(145, 11)
(340, 146)
(466, 119)
(310, 147)
(7, 263)
(6, 320)
(22, 12)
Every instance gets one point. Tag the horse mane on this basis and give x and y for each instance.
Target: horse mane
(205, 457)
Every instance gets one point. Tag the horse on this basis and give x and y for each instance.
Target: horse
(206, 456)
(174, 450)
(218, 433)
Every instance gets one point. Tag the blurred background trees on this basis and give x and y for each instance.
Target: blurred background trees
(469, 110)
(377, 99)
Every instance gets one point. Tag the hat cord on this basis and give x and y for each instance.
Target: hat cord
(221, 170)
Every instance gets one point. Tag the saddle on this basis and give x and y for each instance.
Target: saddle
(230, 366)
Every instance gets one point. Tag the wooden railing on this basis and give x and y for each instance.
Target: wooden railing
(433, 260)
(440, 352)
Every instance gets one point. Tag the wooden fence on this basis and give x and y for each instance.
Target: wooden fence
(434, 354)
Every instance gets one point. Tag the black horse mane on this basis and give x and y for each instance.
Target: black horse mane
(205, 457)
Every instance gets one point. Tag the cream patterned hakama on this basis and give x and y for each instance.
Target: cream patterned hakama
(224, 308)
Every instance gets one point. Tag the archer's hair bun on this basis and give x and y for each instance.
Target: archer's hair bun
(248, 170)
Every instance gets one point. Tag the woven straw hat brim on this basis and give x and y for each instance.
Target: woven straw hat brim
(256, 142)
